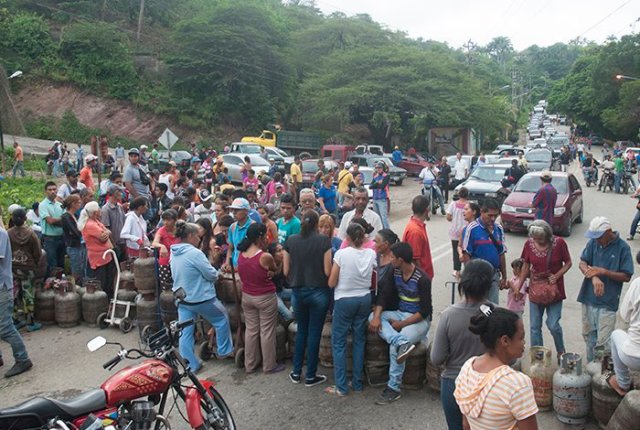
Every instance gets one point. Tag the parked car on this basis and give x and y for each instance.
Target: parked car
(235, 161)
(181, 158)
(256, 149)
(413, 164)
(595, 139)
(484, 183)
(540, 159)
(397, 174)
(369, 149)
(310, 168)
(517, 213)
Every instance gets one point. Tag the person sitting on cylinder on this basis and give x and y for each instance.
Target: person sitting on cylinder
(402, 315)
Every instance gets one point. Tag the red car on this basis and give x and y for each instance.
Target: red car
(413, 164)
(517, 213)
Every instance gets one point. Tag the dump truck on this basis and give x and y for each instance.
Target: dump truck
(292, 141)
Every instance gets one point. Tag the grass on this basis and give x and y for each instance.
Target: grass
(23, 191)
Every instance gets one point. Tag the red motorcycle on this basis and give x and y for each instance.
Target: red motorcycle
(134, 398)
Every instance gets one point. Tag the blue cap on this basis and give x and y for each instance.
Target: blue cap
(195, 160)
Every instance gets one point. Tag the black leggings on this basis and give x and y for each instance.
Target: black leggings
(107, 275)
(457, 264)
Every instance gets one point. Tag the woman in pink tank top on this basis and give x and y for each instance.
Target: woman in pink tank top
(259, 302)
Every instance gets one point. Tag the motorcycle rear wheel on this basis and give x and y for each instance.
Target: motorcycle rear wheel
(224, 409)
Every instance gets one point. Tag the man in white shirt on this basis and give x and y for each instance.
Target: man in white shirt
(72, 184)
(429, 176)
(361, 201)
(460, 168)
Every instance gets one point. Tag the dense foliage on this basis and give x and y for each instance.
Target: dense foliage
(248, 63)
(593, 95)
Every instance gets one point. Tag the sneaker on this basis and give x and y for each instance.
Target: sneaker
(294, 378)
(630, 238)
(388, 396)
(279, 368)
(18, 368)
(318, 379)
(403, 351)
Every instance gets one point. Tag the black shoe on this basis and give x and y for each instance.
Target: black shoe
(294, 378)
(318, 379)
(388, 396)
(19, 368)
(630, 238)
(403, 351)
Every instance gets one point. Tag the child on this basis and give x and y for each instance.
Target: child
(516, 297)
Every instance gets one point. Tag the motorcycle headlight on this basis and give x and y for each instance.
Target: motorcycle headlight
(508, 209)
(559, 211)
(491, 195)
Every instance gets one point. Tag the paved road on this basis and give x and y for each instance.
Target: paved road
(63, 366)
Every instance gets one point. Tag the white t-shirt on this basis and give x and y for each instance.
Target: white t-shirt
(630, 313)
(428, 174)
(356, 269)
(369, 216)
(65, 189)
(460, 168)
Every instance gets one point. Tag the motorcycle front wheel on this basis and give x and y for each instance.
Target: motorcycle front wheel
(229, 423)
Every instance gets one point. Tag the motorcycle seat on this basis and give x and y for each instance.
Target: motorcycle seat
(44, 408)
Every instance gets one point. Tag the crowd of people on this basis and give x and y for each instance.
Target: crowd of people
(298, 259)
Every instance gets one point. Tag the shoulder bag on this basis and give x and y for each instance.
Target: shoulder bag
(541, 291)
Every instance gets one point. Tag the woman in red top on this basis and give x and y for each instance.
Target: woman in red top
(272, 228)
(538, 263)
(164, 238)
(259, 301)
(98, 239)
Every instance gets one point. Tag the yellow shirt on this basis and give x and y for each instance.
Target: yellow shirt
(345, 178)
(296, 173)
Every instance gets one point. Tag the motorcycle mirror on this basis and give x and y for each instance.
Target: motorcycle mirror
(96, 343)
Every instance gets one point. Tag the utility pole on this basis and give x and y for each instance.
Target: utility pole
(140, 18)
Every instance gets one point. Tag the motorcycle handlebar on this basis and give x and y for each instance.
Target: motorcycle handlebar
(183, 324)
(109, 364)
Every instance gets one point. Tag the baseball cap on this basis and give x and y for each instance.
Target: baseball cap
(143, 146)
(89, 158)
(240, 203)
(72, 172)
(279, 185)
(347, 164)
(14, 207)
(134, 151)
(195, 160)
(56, 141)
(205, 195)
(597, 227)
(380, 164)
(173, 163)
(545, 174)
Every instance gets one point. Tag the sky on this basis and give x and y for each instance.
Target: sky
(525, 22)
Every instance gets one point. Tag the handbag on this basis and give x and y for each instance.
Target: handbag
(541, 291)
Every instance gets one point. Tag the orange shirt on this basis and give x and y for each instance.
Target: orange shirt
(86, 177)
(415, 234)
(96, 248)
(19, 154)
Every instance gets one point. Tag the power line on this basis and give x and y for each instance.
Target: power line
(604, 18)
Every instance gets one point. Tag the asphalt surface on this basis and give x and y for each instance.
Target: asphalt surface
(63, 367)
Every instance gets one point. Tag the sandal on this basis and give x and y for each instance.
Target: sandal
(334, 391)
(608, 375)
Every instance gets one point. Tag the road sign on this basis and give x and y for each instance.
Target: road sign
(168, 139)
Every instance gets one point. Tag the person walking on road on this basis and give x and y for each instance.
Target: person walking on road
(455, 215)
(460, 169)
(120, 161)
(606, 264)
(8, 331)
(544, 201)
(484, 238)
(546, 260)
(18, 157)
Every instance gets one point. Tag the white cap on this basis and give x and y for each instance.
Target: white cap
(12, 208)
(598, 226)
(89, 158)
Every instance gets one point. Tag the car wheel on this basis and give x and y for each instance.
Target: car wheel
(581, 216)
(566, 230)
(399, 182)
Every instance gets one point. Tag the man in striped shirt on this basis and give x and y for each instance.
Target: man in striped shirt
(545, 199)
(402, 314)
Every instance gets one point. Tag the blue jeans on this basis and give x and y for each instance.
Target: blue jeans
(494, 292)
(617, 178)
(449, 405)
(380, 206)
(18, 167)
(78, 260)
(349, 314)
(213, 311)
(310, 306)
(554, 313)
(413, 333)
(55, 249)
(56, 167)
(597, 326)
(283, 310)
(8, 331)
(622, 362)
(634, 224)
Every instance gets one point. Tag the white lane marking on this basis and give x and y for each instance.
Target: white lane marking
(439, 247)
